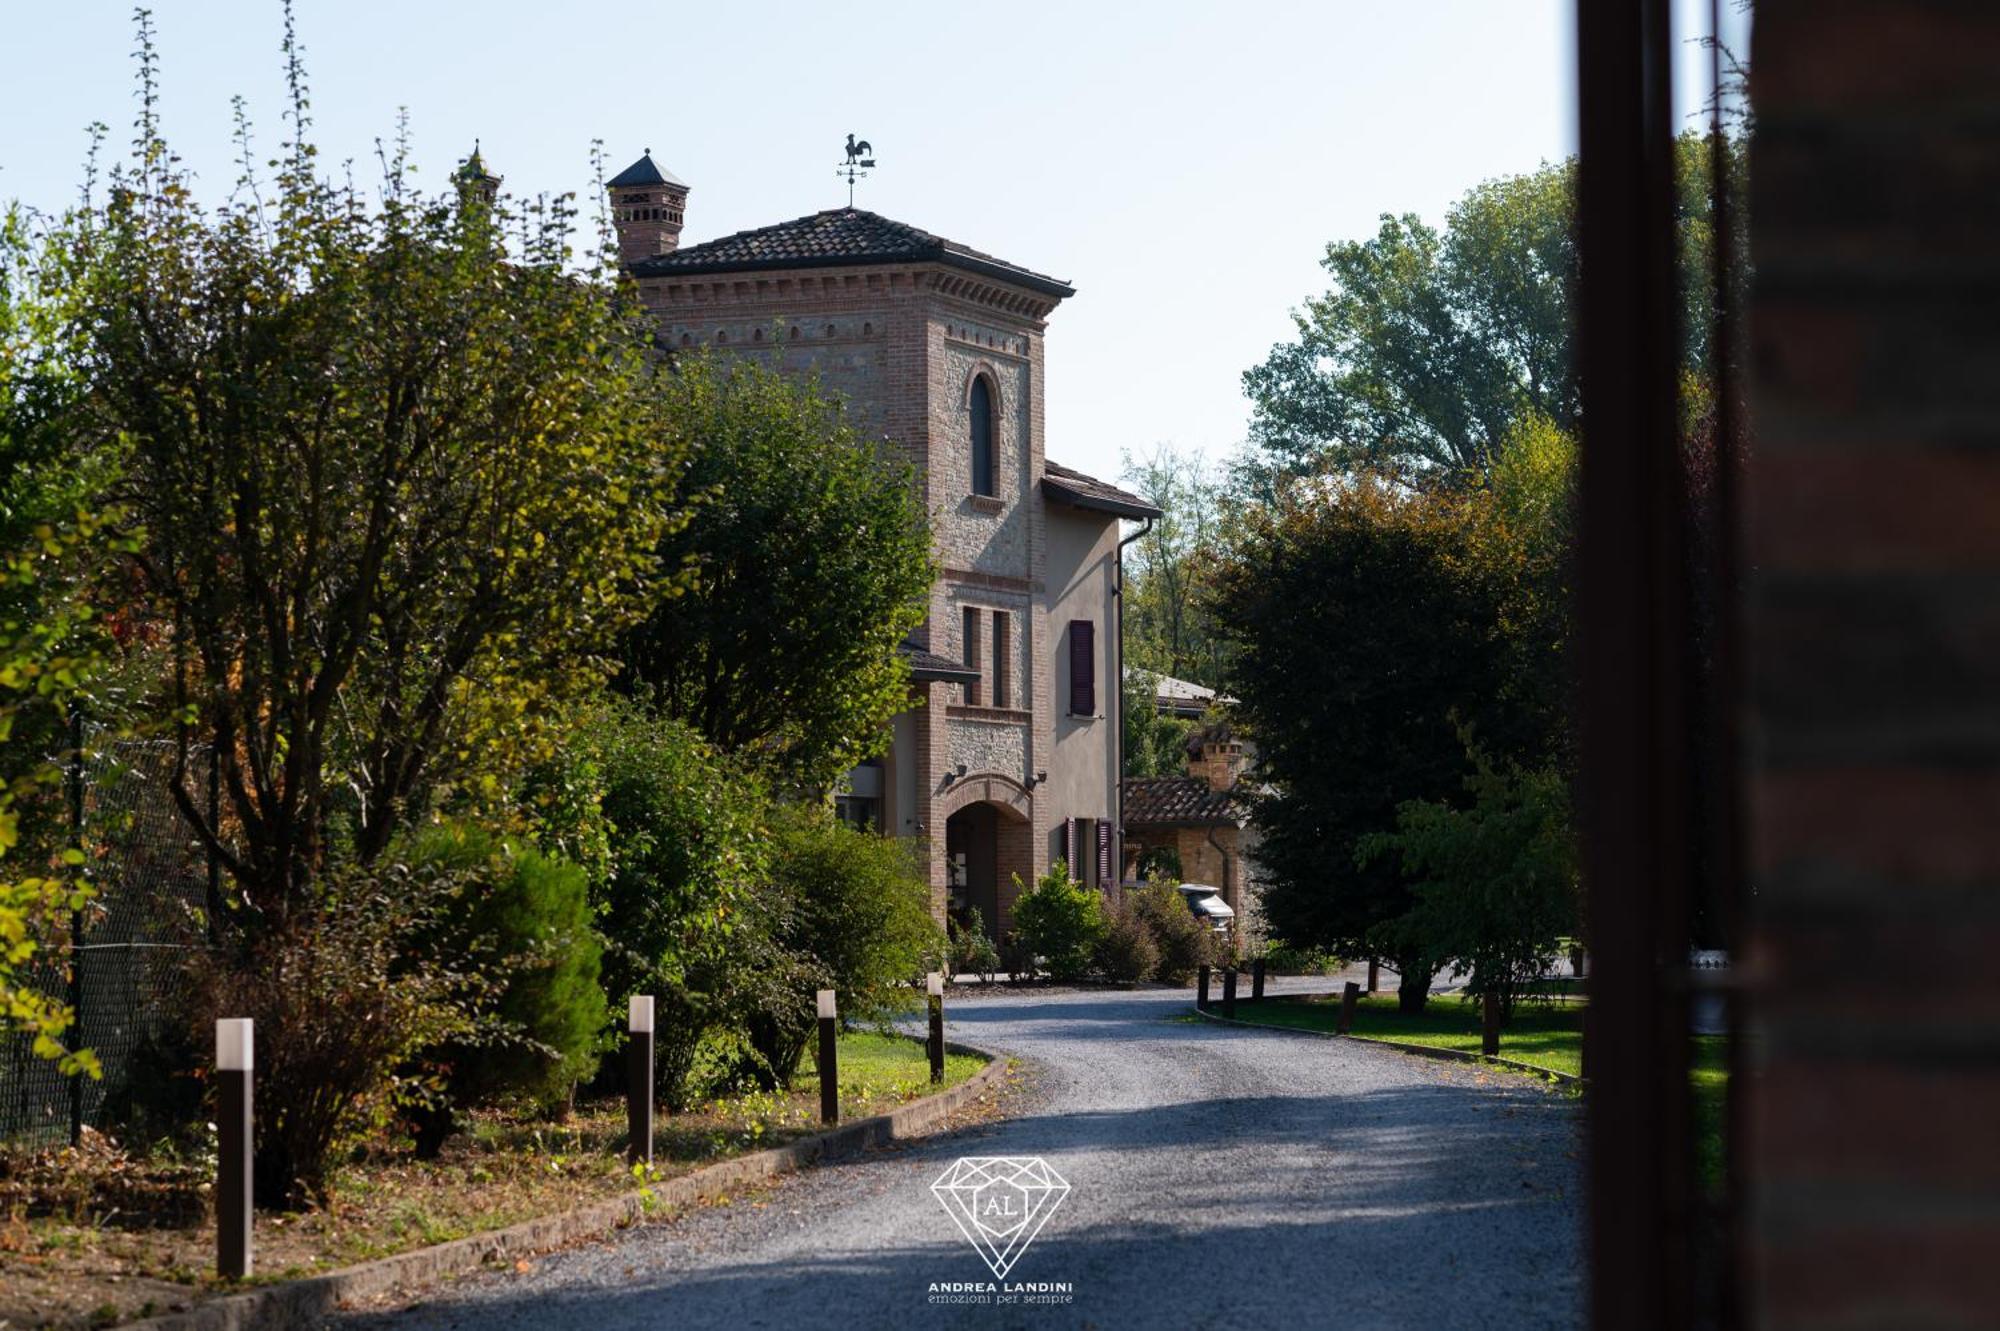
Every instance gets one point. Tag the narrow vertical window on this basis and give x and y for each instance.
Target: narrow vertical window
(1003, 660)
(970, 619)
(982, 437)
(1082, 668)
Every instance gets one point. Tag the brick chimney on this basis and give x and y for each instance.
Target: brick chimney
(1216, 756)
(647, 206)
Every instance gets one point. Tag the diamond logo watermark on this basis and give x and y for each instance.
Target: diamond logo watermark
(1000, 1203)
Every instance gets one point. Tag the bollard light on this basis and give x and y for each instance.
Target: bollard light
(639, 1080)
(235, 1066)
(829, 1064)
(935, 984)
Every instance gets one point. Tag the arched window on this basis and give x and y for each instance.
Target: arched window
(982, 437)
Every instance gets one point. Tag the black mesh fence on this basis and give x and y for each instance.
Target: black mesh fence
(150, 877)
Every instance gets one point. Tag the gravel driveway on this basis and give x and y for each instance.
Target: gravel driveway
(1219, 1177)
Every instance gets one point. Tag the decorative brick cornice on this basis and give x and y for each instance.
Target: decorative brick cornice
(996, 582)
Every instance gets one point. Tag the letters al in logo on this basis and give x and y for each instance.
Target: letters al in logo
(1000, 1203)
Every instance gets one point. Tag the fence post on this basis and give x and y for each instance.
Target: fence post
(1201, 988)
(829, 1060)
(1257, 980)
(639, 1080)
(1489, 1034)
(1229, 992)
(1348, 993)
(936, 986)
(75, 784)
(1374, 974)
(235, 1060)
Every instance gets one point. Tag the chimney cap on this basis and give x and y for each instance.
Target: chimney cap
(645, 171)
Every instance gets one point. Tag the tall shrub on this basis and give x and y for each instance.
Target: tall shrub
(1183, 942)
(1061, 922)
(524, 916)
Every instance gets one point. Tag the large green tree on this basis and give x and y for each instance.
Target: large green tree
(402, 471)
(810, 556)
(1432, 345)
(1373, 623)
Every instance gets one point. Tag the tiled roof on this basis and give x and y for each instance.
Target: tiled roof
(643, 172)
(1180, 799)
(838, 236)
(1081, 491)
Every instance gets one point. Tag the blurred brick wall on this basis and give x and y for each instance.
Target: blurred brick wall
(1873, 528)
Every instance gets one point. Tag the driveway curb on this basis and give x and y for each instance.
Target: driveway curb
(1420, 1050)
(302, 1303)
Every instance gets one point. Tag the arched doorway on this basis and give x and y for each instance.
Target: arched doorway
(988, 842)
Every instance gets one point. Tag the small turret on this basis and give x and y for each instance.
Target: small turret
(474, 180)
(647, 207)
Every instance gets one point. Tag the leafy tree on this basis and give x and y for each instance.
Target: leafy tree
(1169, 625)
(57, 655)
(1368, 631)
(1495, 882)
(1431, 345)
(400, 486)
(1060, 921)
(811, 561)
(1155, 745)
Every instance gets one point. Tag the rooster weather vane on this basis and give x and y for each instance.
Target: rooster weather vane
(860, 158)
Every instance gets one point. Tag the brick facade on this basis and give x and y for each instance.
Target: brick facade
(1873, 527)
(900, 343)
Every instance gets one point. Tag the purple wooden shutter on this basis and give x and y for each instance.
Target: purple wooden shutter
(1104, 872)
(1082, 668)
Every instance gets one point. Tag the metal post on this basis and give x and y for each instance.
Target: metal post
(1374, 974)
(1348, 993)
(1201, 988)
(1229, 992)
(639, 1080)
(234, 1068)
(829, 1060)
(1489, 1016)
(936, 986)
(1257, 980)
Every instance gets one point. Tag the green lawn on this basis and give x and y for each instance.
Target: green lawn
(1543, 1035)
(878, 1071)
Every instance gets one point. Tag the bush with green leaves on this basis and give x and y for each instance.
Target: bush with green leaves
(344, 1007)
(1127, 952)
(679, 911)
(1184, 942)
(972, 949)
(527, 917)
(1060, 922)
(856, 912)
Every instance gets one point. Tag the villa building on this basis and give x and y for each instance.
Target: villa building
(1007, 758)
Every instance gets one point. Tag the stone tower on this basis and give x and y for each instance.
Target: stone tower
(473, 180)
(647, 207)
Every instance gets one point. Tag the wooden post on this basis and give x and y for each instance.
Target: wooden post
(1348, 993)
(1489, 1011)
(235, 1062)
(1229, 992)
(639, 1080)
(1201, 988)
(936, 987)
(1257, 980)
(1374, 974)
(829, 1060)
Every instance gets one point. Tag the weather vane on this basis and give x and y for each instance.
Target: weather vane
(857, 165)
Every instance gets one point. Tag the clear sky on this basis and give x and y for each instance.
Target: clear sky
(1182, 164)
